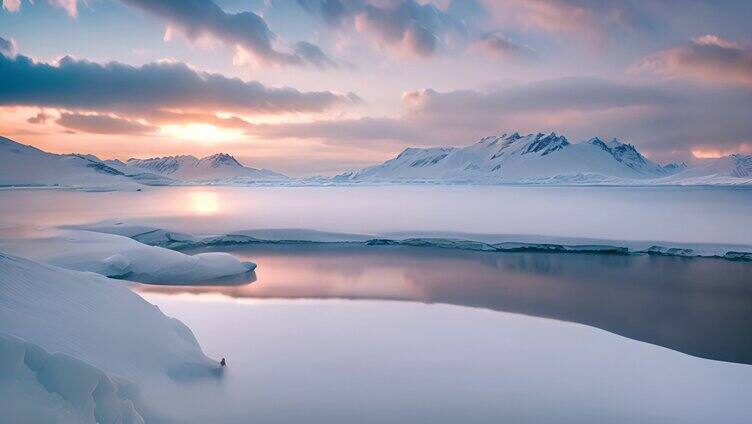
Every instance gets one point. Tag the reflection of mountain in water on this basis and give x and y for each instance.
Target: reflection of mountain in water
(702, 307)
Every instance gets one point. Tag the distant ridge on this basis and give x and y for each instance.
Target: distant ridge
(26, 166)
(506, 159)
(217, 167)
(542, 158)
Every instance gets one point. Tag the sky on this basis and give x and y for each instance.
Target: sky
(317, 87)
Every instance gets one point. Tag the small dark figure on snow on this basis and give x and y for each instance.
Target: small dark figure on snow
(223, 362)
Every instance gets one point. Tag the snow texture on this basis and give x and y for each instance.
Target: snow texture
(77, 347)
(121, 257)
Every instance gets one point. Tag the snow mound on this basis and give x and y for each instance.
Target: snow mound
(122, 257)
(86, 348)
(40, 387)
(161, 237)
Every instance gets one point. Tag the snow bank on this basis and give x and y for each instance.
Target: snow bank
(446, 240)
(520, 242)
(40, 387)
(122, 257)
(77, 347)
(161, 237)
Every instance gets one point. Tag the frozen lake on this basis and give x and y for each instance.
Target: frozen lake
(374, 334)
(680, 214)
(342, 333)
(340, 361)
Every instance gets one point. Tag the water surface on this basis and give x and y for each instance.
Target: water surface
(698, 306)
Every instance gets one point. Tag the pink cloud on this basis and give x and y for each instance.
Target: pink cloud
(708, 58)
(500, 47)
(69, 6)
(589, 20)
(12, 5)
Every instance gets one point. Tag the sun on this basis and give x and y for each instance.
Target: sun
(204, 203)
(200, 132)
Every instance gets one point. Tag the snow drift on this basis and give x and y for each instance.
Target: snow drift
(42, 388)
(77, 347)
(121, 257)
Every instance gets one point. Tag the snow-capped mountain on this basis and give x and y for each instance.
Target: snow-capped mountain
(530, 159)
(514, 157)
(22, 165)
(217, 167)
(733, 169)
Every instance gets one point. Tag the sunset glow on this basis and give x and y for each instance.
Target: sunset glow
(203, 133)
(203, 202)
(707, 154)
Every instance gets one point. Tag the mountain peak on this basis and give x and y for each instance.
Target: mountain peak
(216, 167)
(219, 159)
(546, 144)
(673, 166)
(596, 141)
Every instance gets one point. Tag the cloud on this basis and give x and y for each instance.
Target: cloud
(458, 117)
(332, 11)
(589, 20)
(581, 94)
(39, 118)
(404, 26)
(344, 131)
(708, 58)
(69, 6)
(245, 30)
(12, 5)
(667, 120)
(113, 86)
(7, 47)
(500, 47)
(103, 124)
(313, 55)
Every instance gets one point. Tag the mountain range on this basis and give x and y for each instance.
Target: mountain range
(22, 165)
(505, 159)
(547, 158)
(217, 167)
